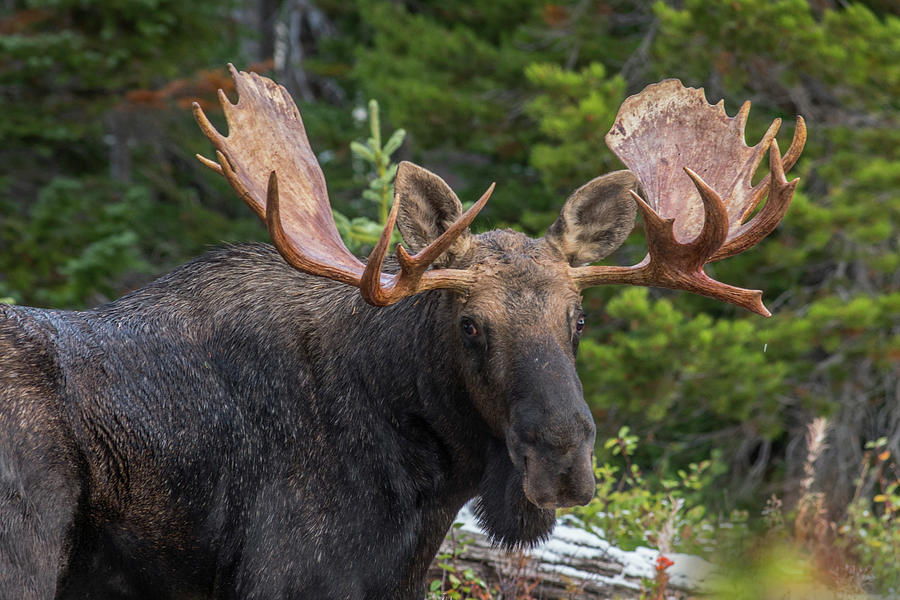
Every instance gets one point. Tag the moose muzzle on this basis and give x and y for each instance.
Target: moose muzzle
(550, 437)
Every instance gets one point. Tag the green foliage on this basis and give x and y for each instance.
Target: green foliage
(756, 43)
(574, 111)
(456, 582)
(722, 380)
(443, 75)
(77, 229)
(84, 238)
(870, 530)
(632, 509)
(67, 251)
(361, 232)
(68, 61)
(694, 384)
(796, 552)
(778, 571)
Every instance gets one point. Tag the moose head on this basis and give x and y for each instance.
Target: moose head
(513, 304)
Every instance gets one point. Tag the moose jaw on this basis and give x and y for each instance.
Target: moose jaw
(252, 427)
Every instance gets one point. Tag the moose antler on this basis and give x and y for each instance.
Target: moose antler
(267, 152)
(697, 218)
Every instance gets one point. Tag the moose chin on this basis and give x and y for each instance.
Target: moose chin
(294, 422)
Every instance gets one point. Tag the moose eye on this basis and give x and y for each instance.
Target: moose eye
(469, 328)
(579, 324)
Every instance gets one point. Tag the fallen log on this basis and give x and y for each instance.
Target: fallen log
(573, 564)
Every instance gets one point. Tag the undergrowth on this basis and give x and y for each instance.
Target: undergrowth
(797, 552)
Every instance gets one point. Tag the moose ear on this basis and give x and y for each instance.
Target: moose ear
(427, 208)
(596, 218)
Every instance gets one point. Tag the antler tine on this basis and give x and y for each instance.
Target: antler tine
(414, 276)
(238, 186)
(370, 284)
(206, 127)
(715, 222)
(288, 251)
(751, 165)
(210, 163)
(797, 144)
(210, 131)
(790, 157)
(780, 193)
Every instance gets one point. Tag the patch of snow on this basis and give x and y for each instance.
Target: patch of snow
(570, 540)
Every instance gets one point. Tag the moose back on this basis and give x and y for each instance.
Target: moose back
(292, 422)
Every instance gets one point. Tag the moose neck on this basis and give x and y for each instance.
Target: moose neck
(401, 358)
(397, 369)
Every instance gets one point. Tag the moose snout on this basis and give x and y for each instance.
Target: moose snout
(556, 473)
(550, 436)
(552, 480)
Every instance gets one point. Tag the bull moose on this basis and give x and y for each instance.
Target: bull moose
(292, 422)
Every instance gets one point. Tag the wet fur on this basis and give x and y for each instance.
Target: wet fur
(240, 430)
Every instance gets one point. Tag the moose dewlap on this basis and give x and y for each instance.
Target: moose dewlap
(293, 422)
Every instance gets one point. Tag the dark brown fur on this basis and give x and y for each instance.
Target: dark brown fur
(237, 429)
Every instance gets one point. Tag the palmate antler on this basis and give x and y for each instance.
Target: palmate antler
(692, 218)
(267, 153)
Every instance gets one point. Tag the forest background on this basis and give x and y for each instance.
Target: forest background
(710, 419)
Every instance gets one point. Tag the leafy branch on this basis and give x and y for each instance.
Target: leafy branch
(363, 231)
